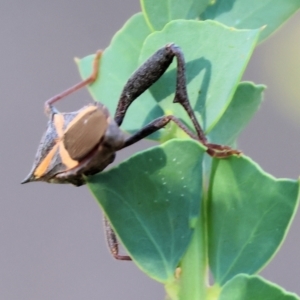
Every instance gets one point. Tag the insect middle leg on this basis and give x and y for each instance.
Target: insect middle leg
(76, 87)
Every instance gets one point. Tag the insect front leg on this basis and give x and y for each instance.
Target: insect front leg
(112, 242)
(154, 126)
(214, 150)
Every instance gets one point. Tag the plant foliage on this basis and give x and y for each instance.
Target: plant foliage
(156, 201)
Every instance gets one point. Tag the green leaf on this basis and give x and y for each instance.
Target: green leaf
(216, 57)
(205, 69)
(118, 62)
(253, 14)
(249, 214)
(245, 287)
(159, 13)
(241, 109)
(153, 204)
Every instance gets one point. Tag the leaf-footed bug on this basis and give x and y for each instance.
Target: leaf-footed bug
(84, 142)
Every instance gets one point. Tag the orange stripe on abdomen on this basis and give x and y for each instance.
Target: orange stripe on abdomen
(65, 157)
(43, 166)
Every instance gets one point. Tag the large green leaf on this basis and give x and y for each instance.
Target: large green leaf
(159, 13)
(153, 201)
(252, 14)
(118, 62)
(245, 287)
(248, 216)
(216, 57)
(241, 109)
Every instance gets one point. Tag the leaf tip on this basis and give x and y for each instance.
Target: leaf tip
(77, 60)
(263, 27)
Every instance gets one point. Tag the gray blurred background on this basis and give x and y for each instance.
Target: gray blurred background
(51, 236)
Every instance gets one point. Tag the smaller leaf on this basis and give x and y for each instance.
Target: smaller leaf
(249, 214)
(245, 14)
(245, 287)
(153, 201)
(245, 103)
(159, 13)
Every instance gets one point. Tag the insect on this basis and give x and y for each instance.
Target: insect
(82, 143)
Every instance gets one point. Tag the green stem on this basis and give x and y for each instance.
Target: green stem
(194, 267)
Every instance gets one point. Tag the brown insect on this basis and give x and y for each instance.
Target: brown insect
(82, 143)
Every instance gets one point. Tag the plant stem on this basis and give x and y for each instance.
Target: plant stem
(194, 266)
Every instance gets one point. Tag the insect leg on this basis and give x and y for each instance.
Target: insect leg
(148, 74)
(112, 242)
(77, 86)
(214, 150)
(143, 78)
(181, 97)
(154, 126)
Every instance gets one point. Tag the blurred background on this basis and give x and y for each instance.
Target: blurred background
(51, 237)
